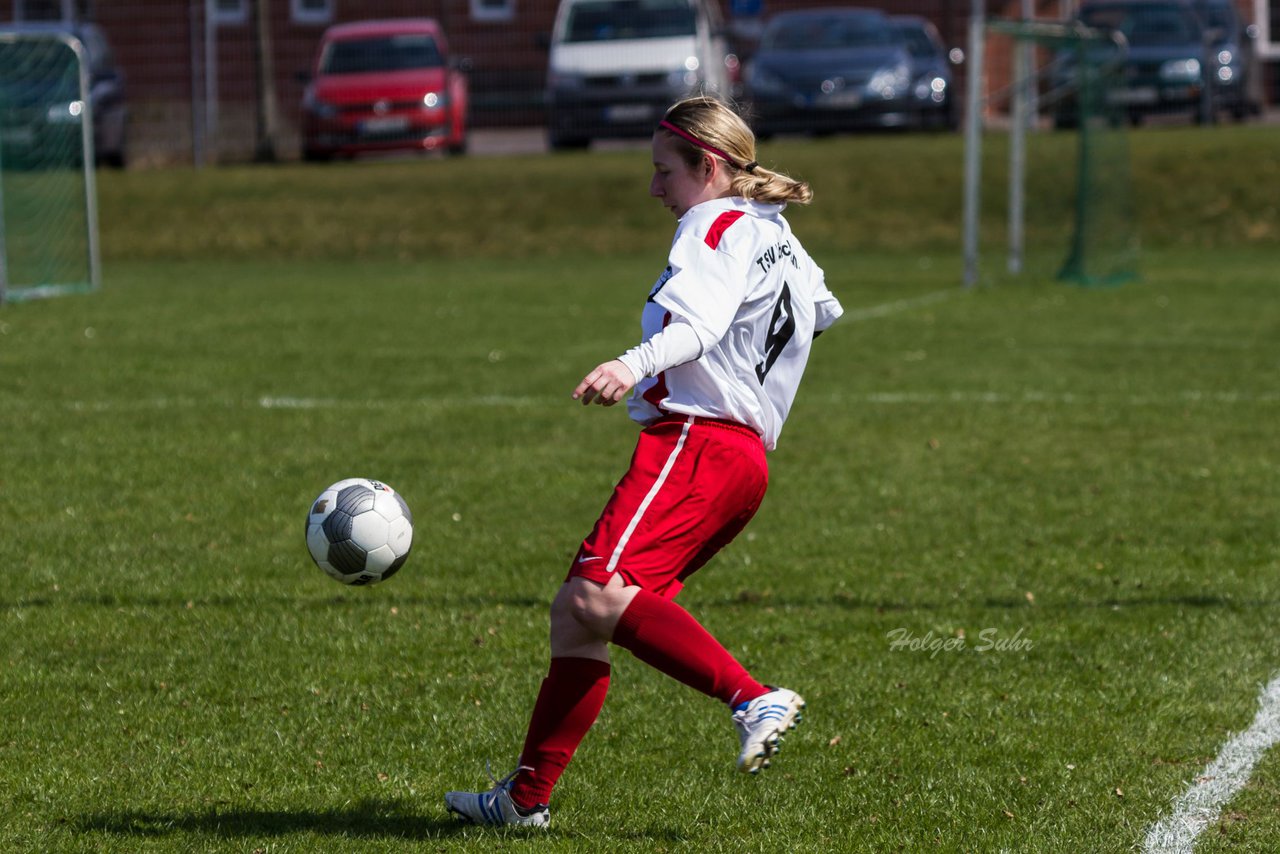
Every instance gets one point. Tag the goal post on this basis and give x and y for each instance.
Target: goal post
(1074, 183)
(48, 197)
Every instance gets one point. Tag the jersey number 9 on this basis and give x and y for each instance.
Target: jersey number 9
(781, 329)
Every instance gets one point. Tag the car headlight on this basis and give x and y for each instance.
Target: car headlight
(931, 89)
(1229, 66)
(435, 100)
(65, 113)
(1186, 70)
(890, 82)
(321, 109)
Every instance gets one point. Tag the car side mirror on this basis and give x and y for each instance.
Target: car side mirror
(461, 63)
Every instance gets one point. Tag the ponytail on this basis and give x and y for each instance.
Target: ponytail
(765, 185)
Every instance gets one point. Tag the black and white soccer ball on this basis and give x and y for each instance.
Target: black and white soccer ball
(359, 531)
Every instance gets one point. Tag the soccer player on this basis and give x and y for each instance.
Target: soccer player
(726, 333)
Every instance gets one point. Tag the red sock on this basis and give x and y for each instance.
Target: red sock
(663, 635)
(568, 703)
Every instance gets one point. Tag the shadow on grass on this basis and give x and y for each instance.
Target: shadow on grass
(743, 598)
(339, 603)
(852, 602)
(364, 819)
(369, 819)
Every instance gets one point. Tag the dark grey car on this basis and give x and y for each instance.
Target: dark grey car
(1162, 68)
(1232, 63)
(823, 70)
(933, 98)
(39, 95)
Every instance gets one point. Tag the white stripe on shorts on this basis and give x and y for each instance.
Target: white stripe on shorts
(648, 499)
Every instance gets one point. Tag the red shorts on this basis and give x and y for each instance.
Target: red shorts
(694, 483)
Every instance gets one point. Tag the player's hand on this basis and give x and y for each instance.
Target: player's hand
(606, 385)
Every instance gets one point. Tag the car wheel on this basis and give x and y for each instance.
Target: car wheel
(561, 142)
(112, 158)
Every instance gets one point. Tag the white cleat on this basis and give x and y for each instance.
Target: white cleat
(495, 806)
(762, 724)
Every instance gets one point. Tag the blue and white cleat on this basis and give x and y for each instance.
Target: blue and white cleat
(495, 806)
(762, 724)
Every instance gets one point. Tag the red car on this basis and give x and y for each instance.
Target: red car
(384, 86)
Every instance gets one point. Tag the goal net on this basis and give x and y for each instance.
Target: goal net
(1058, 175)
(48, 218)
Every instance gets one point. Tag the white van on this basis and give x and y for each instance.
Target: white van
(616, 65)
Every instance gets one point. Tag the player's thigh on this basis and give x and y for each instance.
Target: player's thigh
(594, 606)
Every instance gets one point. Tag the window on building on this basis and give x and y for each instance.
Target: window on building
(1269, 24)
(229, 11)
(312, 11)
(493, 10)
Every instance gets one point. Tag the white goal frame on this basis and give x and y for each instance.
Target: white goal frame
(1023, 102)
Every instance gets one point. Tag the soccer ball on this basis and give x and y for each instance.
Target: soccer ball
(359, 531)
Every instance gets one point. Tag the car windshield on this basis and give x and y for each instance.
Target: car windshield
(383, 53)
(827, 33)
(1218, 17)
(612, 20)
(1146, 26)
(916, 39)
(38, 68)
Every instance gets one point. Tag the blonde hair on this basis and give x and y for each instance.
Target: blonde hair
(704, 125)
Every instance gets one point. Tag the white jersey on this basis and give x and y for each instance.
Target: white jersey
(754, 298)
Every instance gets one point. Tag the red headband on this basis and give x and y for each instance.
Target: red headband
(683, 134)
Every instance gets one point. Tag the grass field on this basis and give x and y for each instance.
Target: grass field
(1068, 499)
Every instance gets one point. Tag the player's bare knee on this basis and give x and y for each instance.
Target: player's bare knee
(590, 604)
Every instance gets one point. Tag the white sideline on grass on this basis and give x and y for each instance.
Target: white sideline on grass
(498, 401)
(1065, 398)
(881, 310)
(1199, 806)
